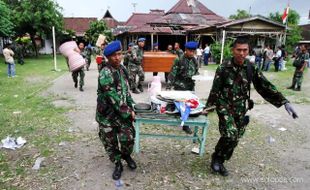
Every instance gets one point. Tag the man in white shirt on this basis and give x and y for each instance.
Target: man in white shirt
(199, 52)
(278, 59)
(206, 54)
(9, 60)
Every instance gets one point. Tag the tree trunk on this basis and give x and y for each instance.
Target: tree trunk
(34, 45)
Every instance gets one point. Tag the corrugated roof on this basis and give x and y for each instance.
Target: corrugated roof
(78, 24)
(139, 19)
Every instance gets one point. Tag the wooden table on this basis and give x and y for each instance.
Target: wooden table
(174, 120)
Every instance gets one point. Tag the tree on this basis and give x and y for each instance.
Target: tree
(96, 28)
(293, 17)
(36, 18)
(240, 14)
(6, 24)
(294, 31)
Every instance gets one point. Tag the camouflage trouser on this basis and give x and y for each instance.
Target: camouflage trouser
(75, 75)
(133, 71)
(88, 62)
(297, 78)
(110, 136)
(232, 128)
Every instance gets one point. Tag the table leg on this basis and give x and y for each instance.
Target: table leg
(195, 133)
(137, 139)
(203, 140)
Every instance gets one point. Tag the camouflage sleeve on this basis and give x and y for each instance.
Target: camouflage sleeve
(173, 72)
(267, 90)
(109, 92)
(216, 88)
(139, 57)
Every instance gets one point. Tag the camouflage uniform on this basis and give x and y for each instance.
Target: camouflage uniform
(76, 73)
(181, 73)
(179, 52)
(229, 93)
(298, 75)
(20, 54)
(126, 59)
(87, 52)
(114, 107)
(135, 68)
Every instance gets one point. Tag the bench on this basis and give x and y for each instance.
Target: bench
(174, 120)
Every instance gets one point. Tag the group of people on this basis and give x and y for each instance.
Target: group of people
(229, 96)
(264, 57)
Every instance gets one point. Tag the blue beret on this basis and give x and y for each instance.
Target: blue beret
(141, 39)
(112, 48)
(155, 44)
(131, 44)
(191, 45)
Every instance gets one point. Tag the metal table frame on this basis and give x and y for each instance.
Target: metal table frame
(195, 122)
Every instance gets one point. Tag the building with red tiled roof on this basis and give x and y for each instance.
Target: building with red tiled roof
(78, 24)
(167, 28)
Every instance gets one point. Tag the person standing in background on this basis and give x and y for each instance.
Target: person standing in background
(9, 60)
(206, 54)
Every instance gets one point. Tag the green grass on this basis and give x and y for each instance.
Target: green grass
(38, 121)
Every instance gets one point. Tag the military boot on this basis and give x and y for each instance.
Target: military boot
(135, 91)
(75, 85)
(117, 171)
(140, 87)
(217, 165)
(187, 129)
(130, 162)
(81, 89)
(291, 87)
(297, 89)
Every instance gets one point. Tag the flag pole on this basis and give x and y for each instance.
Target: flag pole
(286, 21)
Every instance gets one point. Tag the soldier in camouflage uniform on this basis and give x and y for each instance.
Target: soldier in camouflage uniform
(88, 52)
(177, 50)
(127, 55)
(115, 110)
(230, 96)
(135, 67)
(180, 77)
(300, 63)
(76, 73)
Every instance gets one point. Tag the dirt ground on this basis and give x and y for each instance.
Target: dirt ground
(266, 157)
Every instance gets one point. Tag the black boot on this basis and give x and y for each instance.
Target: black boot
(187, 129)
(136, 91)
(297, 89)
(81, 89)
(75, 85)
(217, 165)
(130, 162)
(117, 171)
(291, 87)
(140, 87)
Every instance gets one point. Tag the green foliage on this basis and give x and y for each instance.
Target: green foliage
(95, 29)
(216, 51)
(293, 17)
(6, 23)
(36, 18)
(240, 14)
(294, 32)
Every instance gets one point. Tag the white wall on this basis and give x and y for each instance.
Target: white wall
(47, 49)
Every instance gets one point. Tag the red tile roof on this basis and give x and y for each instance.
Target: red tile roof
(109, 20)
(78, 24)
